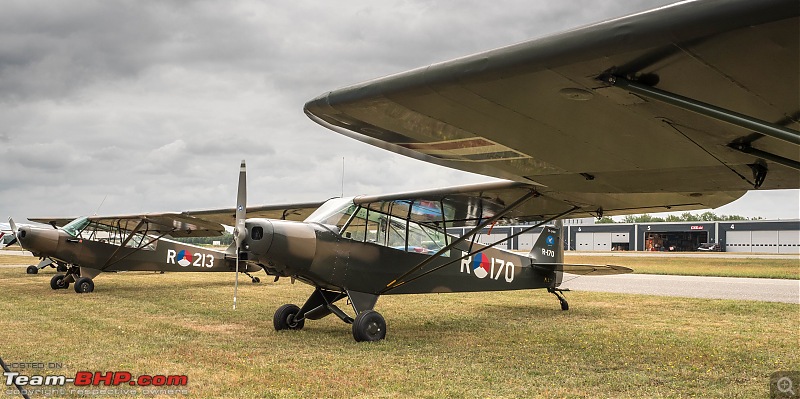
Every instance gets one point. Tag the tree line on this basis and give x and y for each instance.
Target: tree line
(684, 217)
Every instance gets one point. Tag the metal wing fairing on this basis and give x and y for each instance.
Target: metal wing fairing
(545, 111)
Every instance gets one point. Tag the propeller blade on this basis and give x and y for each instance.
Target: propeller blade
(239, 231)
(13, 232)
(241, 206)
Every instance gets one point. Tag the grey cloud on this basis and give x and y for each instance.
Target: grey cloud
(155, 103)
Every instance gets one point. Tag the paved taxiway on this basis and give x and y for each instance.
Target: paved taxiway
(755, 289)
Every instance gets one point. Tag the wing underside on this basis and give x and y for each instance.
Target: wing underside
(544, 112)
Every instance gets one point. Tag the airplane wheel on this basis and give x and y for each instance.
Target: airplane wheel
(84, 285)
(284, 318)
(369, 326)
(32, 270)
(58, 283)
(256, 280)
(61, 268)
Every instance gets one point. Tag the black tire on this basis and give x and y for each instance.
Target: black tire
(284, 318)
(32, 270)
(84, 285)
(57, 282)
(256, 280)
(369, 326)
(61, 268)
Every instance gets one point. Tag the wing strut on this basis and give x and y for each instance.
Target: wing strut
(711, 111)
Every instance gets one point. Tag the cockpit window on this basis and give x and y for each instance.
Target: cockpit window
(403, 225)
(335, 212)
(75, 227)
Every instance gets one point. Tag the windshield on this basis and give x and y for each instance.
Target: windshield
(74, 227)
(335, 212)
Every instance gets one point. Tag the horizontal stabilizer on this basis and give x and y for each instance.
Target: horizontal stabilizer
(584, 269)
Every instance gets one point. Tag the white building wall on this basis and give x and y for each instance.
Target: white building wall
(789, 242)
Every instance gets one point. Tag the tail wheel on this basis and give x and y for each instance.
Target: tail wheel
(58, 282)
(369, 326)
(32, 269)
(284, 318)
(84, 285)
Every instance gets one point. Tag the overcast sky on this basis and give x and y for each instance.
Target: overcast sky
(151, 105)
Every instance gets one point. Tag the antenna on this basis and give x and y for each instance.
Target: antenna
(101, 205)
(342, 177)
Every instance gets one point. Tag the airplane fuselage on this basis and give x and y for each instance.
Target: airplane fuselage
(319, 255)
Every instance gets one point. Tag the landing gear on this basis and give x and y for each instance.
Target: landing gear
(59, 282)
(369, 326)
(557, 292)
(32, 270)
(62, 268)
(253, 278)
(284, 318)
(84, 285)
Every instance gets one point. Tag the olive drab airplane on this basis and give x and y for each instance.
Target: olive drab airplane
(87, 246)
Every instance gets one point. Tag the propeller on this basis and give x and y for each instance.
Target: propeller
(239, 231)
(13, 232)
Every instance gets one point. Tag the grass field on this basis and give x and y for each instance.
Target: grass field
(722, 267)
(501, 344)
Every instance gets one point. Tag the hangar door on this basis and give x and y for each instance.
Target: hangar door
(763, 241)
(601, 241)
(489, 239)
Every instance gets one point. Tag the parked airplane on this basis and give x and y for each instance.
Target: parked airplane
(356, 248)
(86, 246)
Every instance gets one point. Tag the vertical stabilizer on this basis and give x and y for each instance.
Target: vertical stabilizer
(549, 247)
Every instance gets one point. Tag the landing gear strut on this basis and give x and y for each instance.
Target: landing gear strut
(45, 262)
(62, 281)
(368, 325)
(557, 292)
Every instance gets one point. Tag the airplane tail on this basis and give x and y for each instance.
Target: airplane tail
(548, 254)
(549, 247)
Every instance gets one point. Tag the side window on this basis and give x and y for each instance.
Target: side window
(357, 228)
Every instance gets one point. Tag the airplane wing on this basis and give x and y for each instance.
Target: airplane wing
(682, 107)
(226, 216)
(466, 204)
(171, 223)
(204, 223)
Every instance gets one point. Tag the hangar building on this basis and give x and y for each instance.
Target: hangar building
(760, 236)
